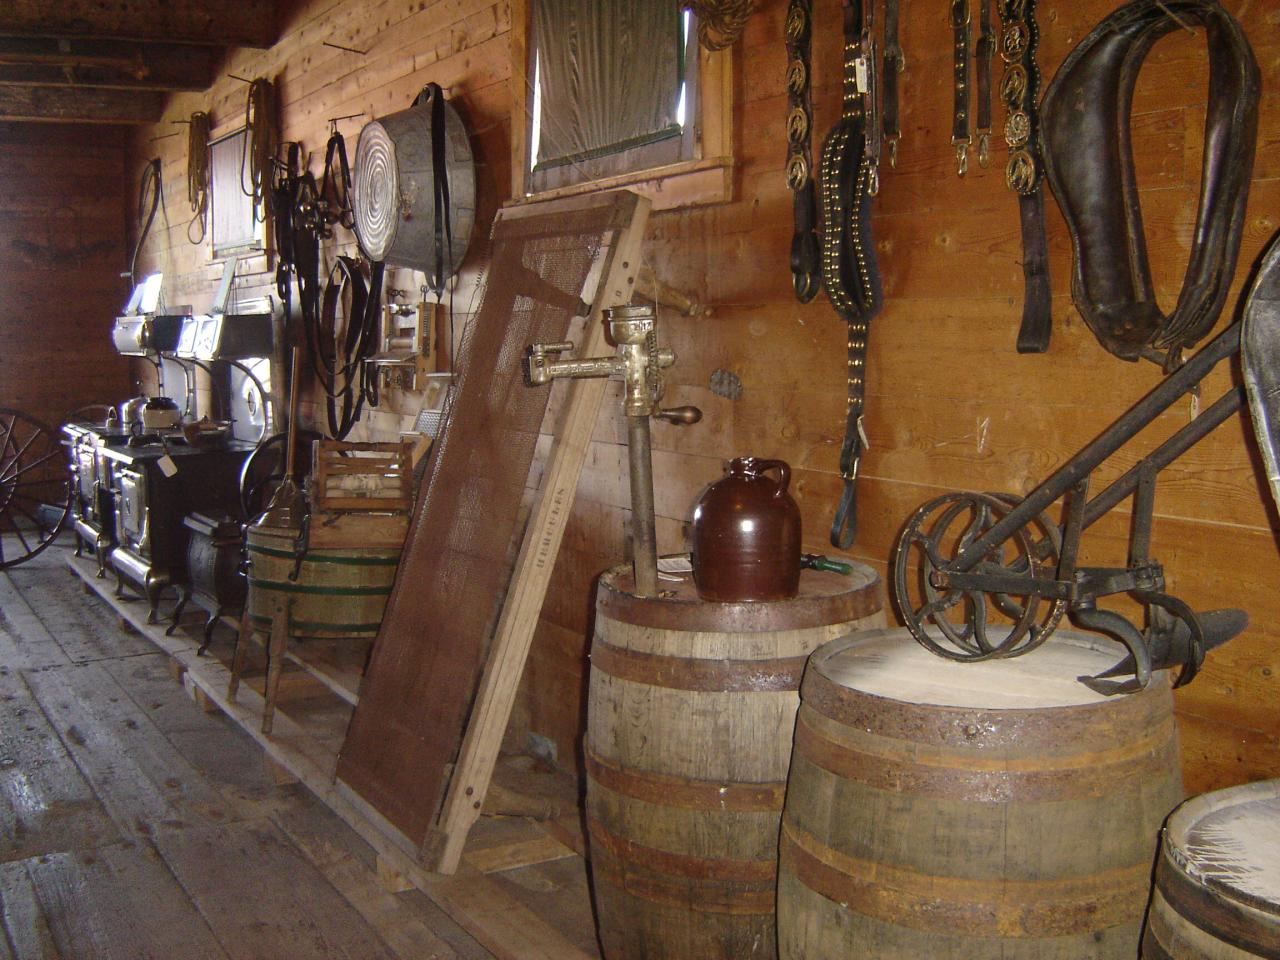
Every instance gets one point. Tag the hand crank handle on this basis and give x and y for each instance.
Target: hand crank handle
(680, 416)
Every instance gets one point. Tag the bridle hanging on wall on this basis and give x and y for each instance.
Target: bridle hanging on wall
(841, 255)
(337, 351)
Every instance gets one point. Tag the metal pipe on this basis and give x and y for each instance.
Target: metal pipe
(644, 538)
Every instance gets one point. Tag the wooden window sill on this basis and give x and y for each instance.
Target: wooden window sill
(691, 183)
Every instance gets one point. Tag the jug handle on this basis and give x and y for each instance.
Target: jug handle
(784, 474)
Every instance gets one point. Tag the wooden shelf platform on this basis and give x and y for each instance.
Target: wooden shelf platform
(487, 897)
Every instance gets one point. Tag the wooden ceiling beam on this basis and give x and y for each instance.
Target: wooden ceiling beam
(242, 23)
(38, 61)
(60, 104)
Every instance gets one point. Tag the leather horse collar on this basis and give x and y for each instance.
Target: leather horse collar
(1089, 162)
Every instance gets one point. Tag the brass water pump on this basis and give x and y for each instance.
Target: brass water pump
(639, 364)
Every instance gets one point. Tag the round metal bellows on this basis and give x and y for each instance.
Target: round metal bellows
(393, 191)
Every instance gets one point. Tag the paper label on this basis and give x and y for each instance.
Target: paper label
(167, 466)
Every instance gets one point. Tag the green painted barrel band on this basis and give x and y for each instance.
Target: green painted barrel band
(303, 626)
(311, 557)
(287, 587)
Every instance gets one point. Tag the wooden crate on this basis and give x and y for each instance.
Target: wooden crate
(366, 477)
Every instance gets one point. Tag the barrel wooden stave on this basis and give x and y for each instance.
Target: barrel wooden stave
(961, 833)
(337, 593)
(1217, 883)
(688, 744)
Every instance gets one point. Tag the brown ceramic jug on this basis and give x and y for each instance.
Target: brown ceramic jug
(746, 535)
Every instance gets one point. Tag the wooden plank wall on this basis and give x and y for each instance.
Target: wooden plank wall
(950, 403)
(62, 219)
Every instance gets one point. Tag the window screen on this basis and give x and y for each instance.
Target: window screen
(609, 77)
(231, 209)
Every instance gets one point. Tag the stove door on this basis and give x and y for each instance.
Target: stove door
(131, 510)
(84, 466)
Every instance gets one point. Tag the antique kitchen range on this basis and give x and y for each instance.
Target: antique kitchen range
(771, 768)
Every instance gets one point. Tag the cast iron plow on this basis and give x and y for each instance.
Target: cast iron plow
(978, 576)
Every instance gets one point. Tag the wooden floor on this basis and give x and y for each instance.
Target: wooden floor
(137, 825)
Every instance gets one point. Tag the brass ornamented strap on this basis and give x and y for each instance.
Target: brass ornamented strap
(961, 135)
(984, 52)
(894, 63)
(805, 265)
(848, 178)
(1024, 172)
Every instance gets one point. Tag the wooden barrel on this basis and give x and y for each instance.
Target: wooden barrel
(339, 592)
(1217, 894)
(965, 811)
(690, 714)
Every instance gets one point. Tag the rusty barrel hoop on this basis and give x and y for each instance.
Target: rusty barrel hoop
(337, 593)
(689, 725)
(971, 811)
(1217, 889)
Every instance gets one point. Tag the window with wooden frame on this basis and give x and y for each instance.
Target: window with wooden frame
(619, 93)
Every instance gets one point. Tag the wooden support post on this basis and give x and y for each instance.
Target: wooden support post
(442, 848)
(275, 661)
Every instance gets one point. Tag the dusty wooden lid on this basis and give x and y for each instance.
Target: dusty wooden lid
(890, 664)
(883, 682)
(1229, 841)
(824, 599)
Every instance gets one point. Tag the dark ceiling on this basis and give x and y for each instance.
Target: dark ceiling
(115, 61)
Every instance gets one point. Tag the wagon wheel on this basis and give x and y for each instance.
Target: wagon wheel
(971, 624)
(35, 487)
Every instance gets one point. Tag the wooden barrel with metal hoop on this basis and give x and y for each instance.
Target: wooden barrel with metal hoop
(690, 716)
(1217, 893)
(971, 811)
(338, 591)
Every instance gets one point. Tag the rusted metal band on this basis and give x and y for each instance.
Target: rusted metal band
(668, 791)
(1047, 729)
(682, 892)
(1252, 931)
(1152, 948)
(974, 777)
(680, 864)
(825, 599)
(964, 907)
(687, 673)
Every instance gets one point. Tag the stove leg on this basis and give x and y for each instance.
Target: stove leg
(209, 624)
(183, 596)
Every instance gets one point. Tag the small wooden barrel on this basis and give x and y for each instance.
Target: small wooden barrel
(965, 811)
(689, 724)
(339, 592)
(1217, 894)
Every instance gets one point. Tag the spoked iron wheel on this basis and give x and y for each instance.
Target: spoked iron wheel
(970, 624)
(35, 487)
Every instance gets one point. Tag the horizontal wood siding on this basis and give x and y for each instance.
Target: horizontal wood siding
(950, 404)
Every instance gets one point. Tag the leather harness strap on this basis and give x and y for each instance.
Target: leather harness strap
(961, 135)
(342, 348)
(335, 187)
(1019, 90)
(894, 63)
(805, 266)
(984, 52)
(1090, 166)
(849, 271)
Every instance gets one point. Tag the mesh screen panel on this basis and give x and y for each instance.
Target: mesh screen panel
(465, 537)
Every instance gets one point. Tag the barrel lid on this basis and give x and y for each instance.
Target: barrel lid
(890, 664)
(1229, 840)
(824, 599)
